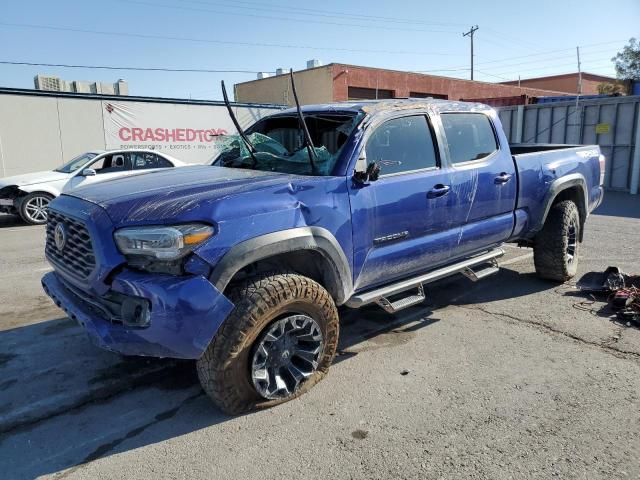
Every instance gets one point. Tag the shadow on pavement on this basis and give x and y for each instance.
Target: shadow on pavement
(618, 204)
(162, 399)
(7, 220)
(53, 379)
(507, 284)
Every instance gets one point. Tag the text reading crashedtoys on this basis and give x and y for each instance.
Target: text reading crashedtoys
(128, 134)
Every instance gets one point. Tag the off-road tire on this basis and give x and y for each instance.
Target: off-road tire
(27, 201)
(552, 243)
(224, 368)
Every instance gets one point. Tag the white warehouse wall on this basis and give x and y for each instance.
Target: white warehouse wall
(41, 132)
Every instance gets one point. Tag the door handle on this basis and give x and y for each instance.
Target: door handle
(438, 191)
(504, 177)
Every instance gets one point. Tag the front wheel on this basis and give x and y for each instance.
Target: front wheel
(33, 208)
(556, 248)
(277, 343)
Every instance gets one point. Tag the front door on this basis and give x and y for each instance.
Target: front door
(401, 222)
(106, 167)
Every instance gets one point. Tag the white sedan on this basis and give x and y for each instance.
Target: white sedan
(29, 195)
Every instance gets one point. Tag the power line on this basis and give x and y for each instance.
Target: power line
(142, 69)
(280, 18)
(493, 75)
(546, 59)
(212, 41)
(322, 13)
(536, 54)
(547, 67)
(204, 40)
(503, 36)
(543, 60)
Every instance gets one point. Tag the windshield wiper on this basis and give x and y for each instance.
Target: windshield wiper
(244, 138)
(303, 125)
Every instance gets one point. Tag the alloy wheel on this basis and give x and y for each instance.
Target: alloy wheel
(36, 209)
(286, 355)
(572, 241)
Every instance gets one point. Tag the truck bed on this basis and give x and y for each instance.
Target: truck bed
(540, 166)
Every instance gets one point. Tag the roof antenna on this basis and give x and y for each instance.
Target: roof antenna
(244, 138)
(303, 125)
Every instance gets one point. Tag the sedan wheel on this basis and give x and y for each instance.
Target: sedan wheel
(34, 208)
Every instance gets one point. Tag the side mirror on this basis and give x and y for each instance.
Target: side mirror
(369, 174)
(88, 172)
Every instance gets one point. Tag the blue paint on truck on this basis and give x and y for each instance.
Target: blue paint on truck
(471, 193)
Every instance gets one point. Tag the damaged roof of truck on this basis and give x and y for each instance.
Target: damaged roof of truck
(372, 107)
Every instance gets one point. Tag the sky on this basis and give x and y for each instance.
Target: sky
(525, 39)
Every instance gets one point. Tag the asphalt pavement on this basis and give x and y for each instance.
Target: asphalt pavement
(510, 377)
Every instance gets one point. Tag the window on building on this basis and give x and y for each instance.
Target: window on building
(470, 136)
(361, 93)
(402, 145)
(427, 95)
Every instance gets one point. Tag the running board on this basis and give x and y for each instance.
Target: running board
(474, 275)
(381, 295)
(405, 302)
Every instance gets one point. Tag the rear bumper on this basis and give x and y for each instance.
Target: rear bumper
(185, 314)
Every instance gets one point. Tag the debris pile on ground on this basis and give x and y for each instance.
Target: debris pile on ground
(622, 290)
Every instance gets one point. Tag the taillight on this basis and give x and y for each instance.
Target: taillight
(603, 165)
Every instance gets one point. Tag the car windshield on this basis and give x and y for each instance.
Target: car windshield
(280, 146)
(73, 165)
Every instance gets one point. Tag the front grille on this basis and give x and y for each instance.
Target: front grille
(76, 257)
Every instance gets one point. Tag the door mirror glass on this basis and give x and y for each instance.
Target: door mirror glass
(370, 174)
(88, 172)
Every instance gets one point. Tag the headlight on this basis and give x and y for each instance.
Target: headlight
(162, 242)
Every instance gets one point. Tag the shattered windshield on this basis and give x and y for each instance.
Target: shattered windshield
(280, 146)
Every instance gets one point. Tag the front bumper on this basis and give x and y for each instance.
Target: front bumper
(7, 205)
(186, 313)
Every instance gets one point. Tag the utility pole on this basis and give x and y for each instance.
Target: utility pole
(579, 76)
(470, 35)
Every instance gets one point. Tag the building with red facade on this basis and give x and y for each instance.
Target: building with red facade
(340, 82)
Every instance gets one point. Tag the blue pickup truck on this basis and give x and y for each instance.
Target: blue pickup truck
(241, 265)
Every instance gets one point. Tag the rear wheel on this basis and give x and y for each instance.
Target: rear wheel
(277, 343)
(556, 248)
(33, 208)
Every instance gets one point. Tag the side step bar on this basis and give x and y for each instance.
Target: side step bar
(475, 275)
(405, 302)
(381, 295)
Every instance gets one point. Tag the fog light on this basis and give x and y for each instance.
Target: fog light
(136, 312)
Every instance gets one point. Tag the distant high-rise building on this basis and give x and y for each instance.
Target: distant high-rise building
(56, 84)
(50, 83)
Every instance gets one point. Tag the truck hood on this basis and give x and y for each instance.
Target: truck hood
(183, 194)
(33, 178)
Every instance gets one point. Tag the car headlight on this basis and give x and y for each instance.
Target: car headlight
(165, 243)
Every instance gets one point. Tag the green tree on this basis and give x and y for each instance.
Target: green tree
(607, 88)
(628, 61)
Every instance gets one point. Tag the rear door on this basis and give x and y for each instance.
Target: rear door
(148, 161)
(401, 222)
(483, 178)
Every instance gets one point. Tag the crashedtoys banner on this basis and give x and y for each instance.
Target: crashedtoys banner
(188, 132)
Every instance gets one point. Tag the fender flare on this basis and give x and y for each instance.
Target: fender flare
(558, 186)
(303, 238)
